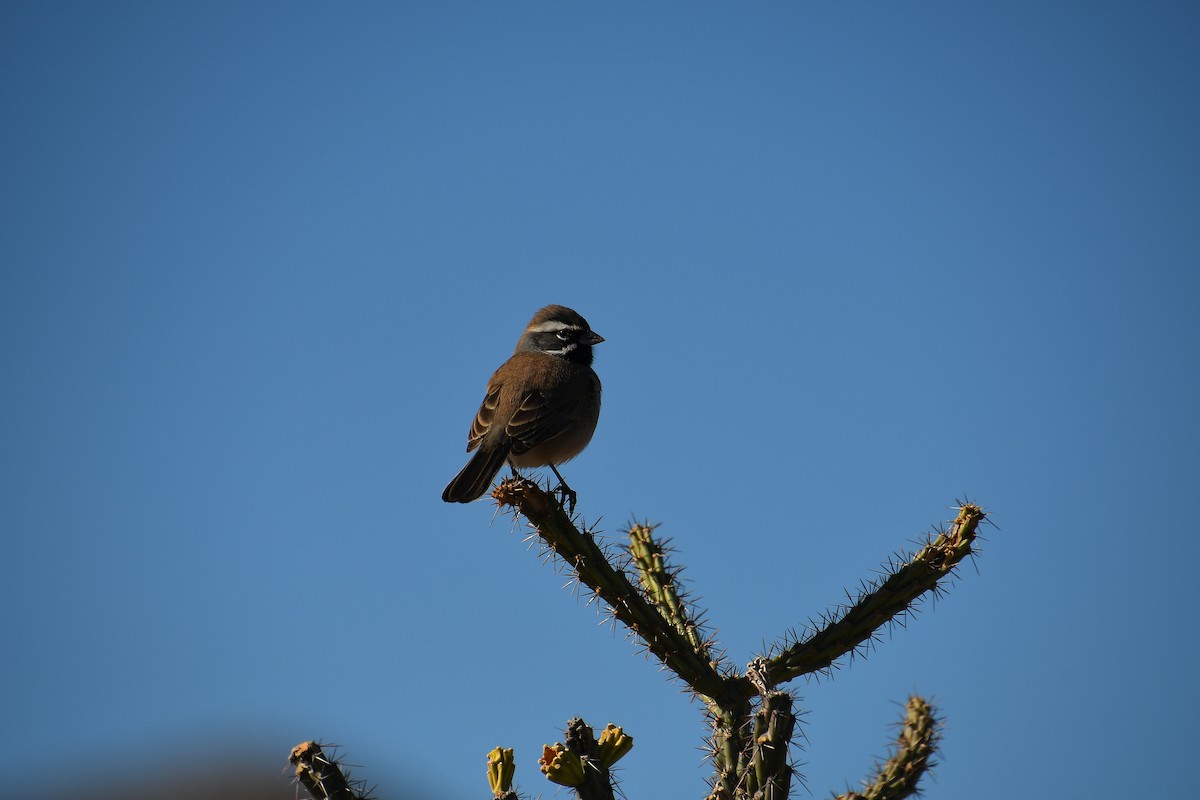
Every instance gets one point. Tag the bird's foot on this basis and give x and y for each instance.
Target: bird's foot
(567, 495)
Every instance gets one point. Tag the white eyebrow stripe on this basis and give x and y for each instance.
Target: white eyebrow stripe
(552, 325)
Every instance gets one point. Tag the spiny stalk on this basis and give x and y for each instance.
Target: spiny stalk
(323, 776)
(769, 776)
(876, 607)
(898, 776)
(612, 585)
(659, 584)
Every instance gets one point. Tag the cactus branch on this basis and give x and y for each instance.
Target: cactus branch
(581, 553)
(323, 776)
(890, 598)
(728, 746)
(659, 584)
(769, 776)
(898, 777)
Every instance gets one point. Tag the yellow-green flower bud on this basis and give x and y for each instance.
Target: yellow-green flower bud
(501, 767)
(562, 766)
(613, 744)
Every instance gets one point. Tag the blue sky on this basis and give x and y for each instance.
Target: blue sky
(852, 261)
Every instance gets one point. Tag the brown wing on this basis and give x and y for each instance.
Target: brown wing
(541, 417)
(484, 416)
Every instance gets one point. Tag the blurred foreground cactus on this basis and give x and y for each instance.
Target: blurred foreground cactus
(752, 721)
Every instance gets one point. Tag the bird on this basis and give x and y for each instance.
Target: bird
(540, 408)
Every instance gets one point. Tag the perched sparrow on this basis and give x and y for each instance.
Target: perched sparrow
(541, 405)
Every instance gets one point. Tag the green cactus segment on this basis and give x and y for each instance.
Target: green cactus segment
(501, 768)
(321, 775)
(660, 586)
(882, 603)
(770, 772)
(898, 777)
(728, 747)
(580, 552)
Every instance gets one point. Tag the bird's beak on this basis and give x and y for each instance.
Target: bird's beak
(594, 338)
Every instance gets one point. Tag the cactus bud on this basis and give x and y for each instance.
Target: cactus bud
(562, 766)
(614, 744)
(501, 767)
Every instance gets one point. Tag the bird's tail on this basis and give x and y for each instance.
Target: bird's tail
(476, 476)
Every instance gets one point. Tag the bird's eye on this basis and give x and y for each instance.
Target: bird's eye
(563, 335)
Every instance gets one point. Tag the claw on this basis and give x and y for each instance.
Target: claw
(566, 494)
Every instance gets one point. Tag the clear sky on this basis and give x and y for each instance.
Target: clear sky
(852, 261)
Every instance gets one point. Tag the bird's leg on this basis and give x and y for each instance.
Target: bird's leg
(567, 493)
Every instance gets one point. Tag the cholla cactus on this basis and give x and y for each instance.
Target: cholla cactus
(752, 721)
(323, 776)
